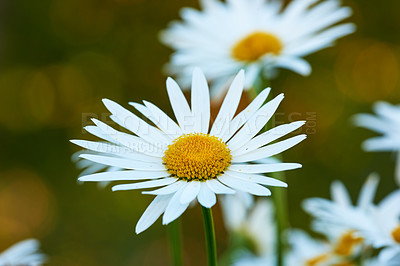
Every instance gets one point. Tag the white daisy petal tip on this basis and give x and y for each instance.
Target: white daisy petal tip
(197, 73)
(107, 102)
(75, 141)
(134, 104)
(171, 82)
(240, 77)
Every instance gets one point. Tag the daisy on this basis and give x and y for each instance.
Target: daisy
(384, 229)
(23, 253)
(187, 158)
(256, 35)
(307, 251)
(387, 123)
(339, 220)
(255, 225)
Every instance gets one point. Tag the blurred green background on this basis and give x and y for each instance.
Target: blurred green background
(59, 58)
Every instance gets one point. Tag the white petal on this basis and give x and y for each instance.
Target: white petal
(340, 194)
(93, 168)
(134, 124)
(269, 150)
(321, 40)
(122, 163)
(219, 188)
(95, 131)
(156, 120)
(372, 122)
(206, 196)
(242, 185)
(143, 110)
(367, 193)
(239, 120)
(267, 137)
(22, 248)
(296, 8)
(329, 19)
(295, 64)
(132, 142)
(123, 175)
(174, 187)
(389, 256)
(263, 168)
(190, 192)
(260, 179)
(85, 163)
(179, 106)
(122, 151)
(200, 102)
(381, 144)
(153, 211)
(175, 208)
(230, 104)
(165, 122)
(255, 123)
(145, 184)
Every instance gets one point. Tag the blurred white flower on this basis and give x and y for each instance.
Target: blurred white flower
(331, 214)
(387, 123)
(383, 230)
(306, 251)
(339, 220)
(22, 253)
(256, 35)
(189, 160)
(255, 224)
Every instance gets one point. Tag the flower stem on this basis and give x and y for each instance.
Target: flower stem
(279, 196)
(175, 240)
(210, 236)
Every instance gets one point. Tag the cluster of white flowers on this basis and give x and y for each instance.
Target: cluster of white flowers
(365, 234)
(365, 226)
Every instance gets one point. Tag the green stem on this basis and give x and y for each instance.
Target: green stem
(210, 236)
(175, 240)
(279, 196)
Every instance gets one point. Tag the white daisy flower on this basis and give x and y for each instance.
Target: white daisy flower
(387, 123)
(256, 35)
(187, 159)
(384, 229)
(256, 225)
(25, 252)
(339, 220)
(312, 252)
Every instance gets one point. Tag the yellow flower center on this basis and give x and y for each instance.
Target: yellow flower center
(317, 260)
(347, 243)
(255, 45)
(396, 234)
(197, 157)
